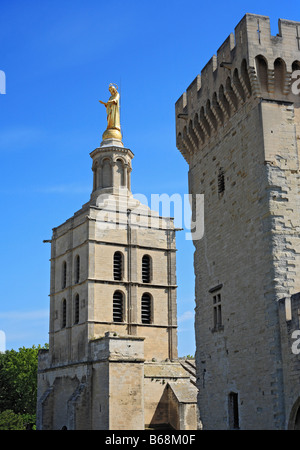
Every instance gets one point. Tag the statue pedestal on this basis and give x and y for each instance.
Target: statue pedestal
(111, 143)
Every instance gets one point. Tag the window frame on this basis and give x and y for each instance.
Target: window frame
(217, 310)
(150, 314)
(64, 275)
(76, 309)
(148, 278)
(64, 313)
(114, 306)
(233, 411)
(121, 266)
(77, 269)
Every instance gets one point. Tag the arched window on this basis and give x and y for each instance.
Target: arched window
(262, 72)
(146, 313)
(64, 313)
(280, 75)
(118, 266)
(77, 269)
(106, 174)
(296, 65)
(119, 174)
(64, 275)
(146, 269)
(76, 309)
(118, 307)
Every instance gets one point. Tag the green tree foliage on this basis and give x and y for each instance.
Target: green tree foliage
(11, 421)
(18, 380)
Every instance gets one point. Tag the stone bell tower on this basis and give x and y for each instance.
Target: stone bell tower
(113, 318)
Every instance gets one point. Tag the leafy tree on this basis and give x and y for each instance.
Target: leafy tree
(11, 421)
(18, 380)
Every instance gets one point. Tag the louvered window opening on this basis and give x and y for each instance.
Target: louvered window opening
(146, 269)
(146, 308)
(221, 182)
(64, 313)
(77, 269)
(118, 307)
(76, 312)
(64, 275)
(118, 266)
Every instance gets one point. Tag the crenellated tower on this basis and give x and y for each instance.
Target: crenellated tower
(238, 128)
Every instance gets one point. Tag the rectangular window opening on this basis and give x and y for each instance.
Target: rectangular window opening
(221, 181)
(233, 411)
(217, 312)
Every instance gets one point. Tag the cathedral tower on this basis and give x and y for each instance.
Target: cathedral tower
(113, 318)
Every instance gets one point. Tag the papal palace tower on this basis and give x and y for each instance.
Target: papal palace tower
(238, 128)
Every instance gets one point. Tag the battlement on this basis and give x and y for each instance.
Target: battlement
(251, 63)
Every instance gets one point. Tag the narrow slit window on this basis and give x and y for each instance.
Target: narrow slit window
(64, 275)
(76, 309)
(118, 266)
(77, 269)
(221, 181)
(233, 411)
(146, 269)
(217, 311)
(118, 307)
(146, 308)
(64, 314)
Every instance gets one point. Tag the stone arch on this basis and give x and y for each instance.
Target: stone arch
(261, 66)
(223, 102)
(95, 170)
(211, 117)
(119, 172)
(238, 85)
(106, 173)
(231, 96)
(204, 122)
(245, 75)
(217, 109)
(198, 129)
(147, 308)
(279, 75)
(193, 135)
(294, 419)
(296, 65)
(118, 306)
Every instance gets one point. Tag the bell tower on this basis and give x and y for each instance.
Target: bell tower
(113, 317)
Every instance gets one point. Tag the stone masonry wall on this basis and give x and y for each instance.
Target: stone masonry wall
(237, 126)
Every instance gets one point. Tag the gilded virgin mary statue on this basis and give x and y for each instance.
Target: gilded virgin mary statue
(113, 130)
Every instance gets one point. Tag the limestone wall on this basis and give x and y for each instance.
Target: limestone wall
(237, 126)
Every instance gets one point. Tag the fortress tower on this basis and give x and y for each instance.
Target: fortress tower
(238, 128)
(112, 360)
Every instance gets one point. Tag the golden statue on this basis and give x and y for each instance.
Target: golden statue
(113, 130)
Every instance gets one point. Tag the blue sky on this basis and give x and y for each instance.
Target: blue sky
(59, 57)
